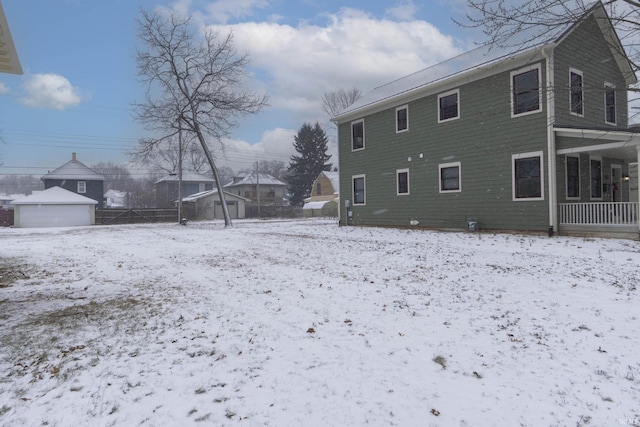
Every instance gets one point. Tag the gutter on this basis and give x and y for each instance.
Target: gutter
(547, 54)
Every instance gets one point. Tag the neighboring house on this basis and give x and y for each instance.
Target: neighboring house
(192, 183)
(9, 62)
(5, 200)
(531, 138)
(258, 187)
(115, 199)
(77, 178)
(54, 207)
(324, 200)
(206, 206)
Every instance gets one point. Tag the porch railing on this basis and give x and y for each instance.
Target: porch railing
(599, 213)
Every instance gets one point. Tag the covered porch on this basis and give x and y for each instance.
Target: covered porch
(597, 182)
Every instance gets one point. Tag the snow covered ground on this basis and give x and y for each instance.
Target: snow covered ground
(304, 323)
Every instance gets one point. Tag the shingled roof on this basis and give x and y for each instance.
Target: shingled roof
(74, 169)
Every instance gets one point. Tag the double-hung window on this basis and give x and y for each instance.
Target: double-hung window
(449, 106)
(610, 104)
(526, 94)
(402, 179)
(450, 177)
(82, 187)
(359, 190)
(402, 119)
(357, 135)
(573, 177)
(528, 179)
(576, 97)
(595, 173)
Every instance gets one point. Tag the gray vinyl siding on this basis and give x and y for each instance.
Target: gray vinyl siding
(94, 188)
(585, 49)
(483, 139)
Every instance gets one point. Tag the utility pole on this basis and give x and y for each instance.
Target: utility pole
(179, 171)
(258, 186)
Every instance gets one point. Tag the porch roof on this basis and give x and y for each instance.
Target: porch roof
(616, 143)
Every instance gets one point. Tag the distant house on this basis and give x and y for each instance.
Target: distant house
(9, 62)
(5, 200)
(325, 198)
(532, 136)
(115, 199)
(192, 183)
(206, 206)
(54, 207)
(77, 178)
(258, 188)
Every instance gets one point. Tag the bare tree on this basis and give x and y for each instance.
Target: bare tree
(275, 168)
(501, 21)
(334, 102)
(193, 85)
(116, 177)
(164, 155)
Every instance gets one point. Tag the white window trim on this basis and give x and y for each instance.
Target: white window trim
(599, 159)
(398, 172)
(581, 74)
(84, 187)
(608, 85)
(355, 122)
(540, 84)
(448, 165)
(566, 175)
(353, 195)
(515, 157)
(402, 107)
(442, 95)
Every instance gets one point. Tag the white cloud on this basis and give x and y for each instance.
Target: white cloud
(275, 144)
(50, 91)
(405, 10)
(3, 89)
(298, 64)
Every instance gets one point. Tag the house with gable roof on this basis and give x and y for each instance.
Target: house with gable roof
(259, 188)
(532, 137)
(77, 178)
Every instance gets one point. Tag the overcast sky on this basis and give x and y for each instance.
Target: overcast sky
(80, 78)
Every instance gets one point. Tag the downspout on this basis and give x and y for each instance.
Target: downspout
(547, 53)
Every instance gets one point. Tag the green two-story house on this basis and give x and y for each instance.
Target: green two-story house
(532, 137)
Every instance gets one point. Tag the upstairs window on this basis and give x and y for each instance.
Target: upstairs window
(82, 187)
(318, 189)
(527, 176)
(402, 181)
(610, 104)
(525, 91)
(448, 106)
(357, 135)
(402, 119)
(576, 97)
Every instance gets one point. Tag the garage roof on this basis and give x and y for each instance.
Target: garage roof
(54, 196)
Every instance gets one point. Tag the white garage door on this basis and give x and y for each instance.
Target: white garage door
(53, 215)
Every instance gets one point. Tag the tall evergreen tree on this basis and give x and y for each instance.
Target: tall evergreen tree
(304, 168)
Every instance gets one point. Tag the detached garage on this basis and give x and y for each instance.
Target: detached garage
(54, 207)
